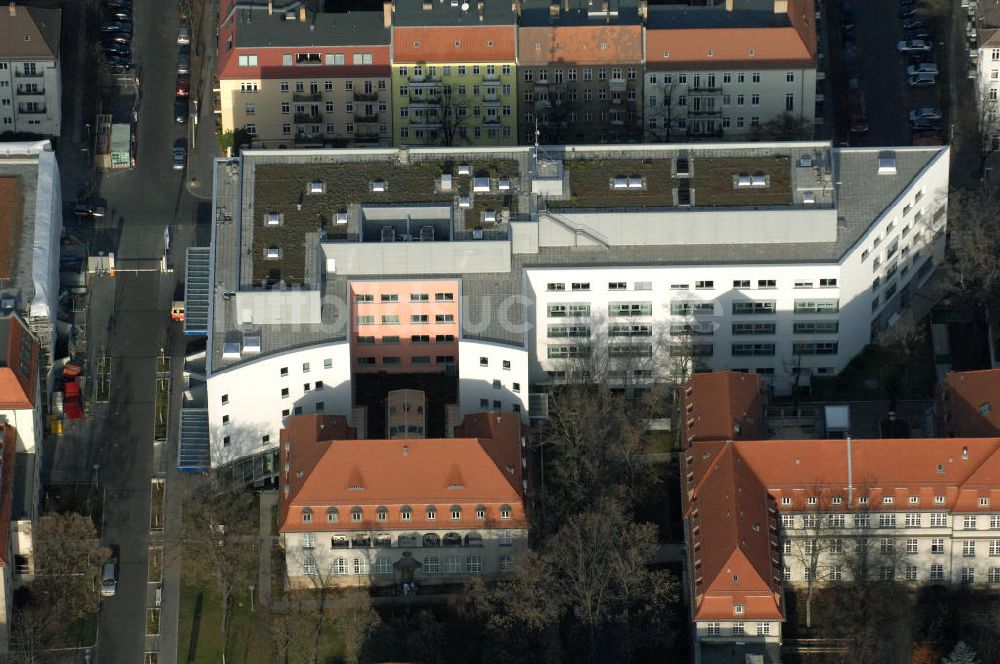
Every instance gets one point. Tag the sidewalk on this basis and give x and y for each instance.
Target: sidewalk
(203, 144)
(268, 499)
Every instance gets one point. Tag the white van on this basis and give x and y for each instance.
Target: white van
(109, 579)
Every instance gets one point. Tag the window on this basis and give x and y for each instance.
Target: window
(739, 350)
(937, 545)
(910, 572)
(307, 515)
(994, 521)
(474, 564)
(786, 546)
(836, 520)
(968, 574)
(704, 284)
(969, 549)
(714, 629)
(762, 307)
(984, 502)
(309, 566)
(787, 521)
(969, 522)
(505, 564)
(741, 283)
(284, 394)
(356, 514)
(993, 576)
(453, 565)
(862, 520)
(738, 609)
(913, 520)
(911, 545)
(390, 319)
(817, 306)
(360, 566)
(432, 565)
(753, 328)
(886, 546)
(738, 629)
(456, 512)
(939, 519)
(505, 511)
(431, 513)
(937, 572)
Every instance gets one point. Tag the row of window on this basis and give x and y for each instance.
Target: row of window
(461, 70)
(694, 350)
(709, 79)
(396, 360)
(617, 74)
(405, 513)
(250, 108)
(707, 104)
(706, 284)
(392, 340)
(368, 540)
(705, 329)
(431, 565)
(888, 545)
(416, 319)
(489, 89)
(737, 629)
(759, 307)
(910, 572)
(328, 129)
(463, 132)
(891, 519)
(556, 96)
(362, 298)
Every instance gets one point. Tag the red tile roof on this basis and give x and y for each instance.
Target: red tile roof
(729, 484)
(970, 402)
(764, 48)
(493, 43)
(722, 405)
(580, 45)
(17, 386)
(480, 468)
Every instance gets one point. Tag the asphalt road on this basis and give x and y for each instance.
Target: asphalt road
(881, 73)
(129, 318)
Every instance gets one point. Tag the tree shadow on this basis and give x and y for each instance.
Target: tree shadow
(195, 627)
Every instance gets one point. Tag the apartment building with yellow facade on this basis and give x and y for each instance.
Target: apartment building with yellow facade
(292, 76)
(454, 78)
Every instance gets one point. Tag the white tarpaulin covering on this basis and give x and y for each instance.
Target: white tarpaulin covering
(48, 230)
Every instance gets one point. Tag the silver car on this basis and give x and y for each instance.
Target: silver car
(180, 158)
(109, 579)
(184, 62)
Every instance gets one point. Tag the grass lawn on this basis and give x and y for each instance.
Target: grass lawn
(157, 487)
(81, 633)
(200, 637)
(162, 410)
(659, 442)
(155, 573)
(84, 499)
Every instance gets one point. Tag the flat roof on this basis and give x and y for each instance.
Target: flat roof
(436, 13)
(843, 181)
(255, 28)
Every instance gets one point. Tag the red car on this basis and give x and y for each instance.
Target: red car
(183, 87)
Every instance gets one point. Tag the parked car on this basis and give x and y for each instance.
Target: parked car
(113, 45)
(183, 86)
(119, 15)
(907, 11)
(125, 5)
(924, 112)
(922, 81)
(922, 68)
(184, 34)
(109, 575)
(913, 46)
(117, 27)
(183, 62)
(116, 37)
(181, 109)
(119, 61)
(180, 158)
(847, 21)
(91, 209)
(913, 24)
(118, 50)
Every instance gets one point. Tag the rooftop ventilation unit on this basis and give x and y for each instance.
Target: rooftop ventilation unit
(504, 184)
(806, 161)
(490, 217)
(464, 169)
(231, 350)
(341, 216)
(481, 185)
(758, 181)
(809, 198)
(251, 344)
(426, 233)
(317, 187)
(446, 182)
(619, 183)
(272, 252)
(273, 218)
(465, 201)
(682, 167)
(378, 186)
(388, 234)
(635, 182)
(887, 163)
(743, 181)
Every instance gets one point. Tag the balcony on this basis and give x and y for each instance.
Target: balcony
(308, 118)
(307, 96)
(704, 112)
(361, 118)
(491, 120)
(365, 96)
(542, 81)
(616, 83)
(30, 93)
(26, 74)
(491, 77)
(705, 89)
(421, 82)
(425, 102)
(37, 109)
(426, 124)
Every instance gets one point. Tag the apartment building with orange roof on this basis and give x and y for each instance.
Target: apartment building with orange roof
(382, 512)
(760, 514)
(723, 71)
(722, 405)
(580, 69)
(20, 389)
(970, 403)
(453, 73)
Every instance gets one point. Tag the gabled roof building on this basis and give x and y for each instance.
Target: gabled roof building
(30, 73)
(377, 512)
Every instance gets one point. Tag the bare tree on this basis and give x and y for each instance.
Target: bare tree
(814, 540)
(356, 619)
(451, 115)
(219, 533)
(973, 268)
(987, 129)
(68, 559)
(785, 127)
(664, 112)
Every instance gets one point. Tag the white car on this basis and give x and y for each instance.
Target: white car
(184, 35)
(924, 113)
(913, 46)
(922, 68)
(922, 81)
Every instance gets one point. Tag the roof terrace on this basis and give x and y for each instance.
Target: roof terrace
(703, 181)
(334, 197)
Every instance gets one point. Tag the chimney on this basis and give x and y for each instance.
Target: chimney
(566, 6)
(780, 6)
(302, 14)
(729, 5)
(270, 7)
(12, 9)
(406, 450)
(554, 11)
(965, 453)
(386, 14)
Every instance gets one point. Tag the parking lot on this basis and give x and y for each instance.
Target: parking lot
(868, 34)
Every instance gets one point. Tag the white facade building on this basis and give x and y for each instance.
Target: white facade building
(778, 258)
(30, 78)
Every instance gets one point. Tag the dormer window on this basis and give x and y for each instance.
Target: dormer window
(307, 515)
(863, 500)
(505, 511)
(786, 500)
(356, 514)
(738, 609)
(887, 500)
(405, 513)
(332, 515)
(837, 500)
(480, 513)
(381, 514)
(431, 512)
(456, 512)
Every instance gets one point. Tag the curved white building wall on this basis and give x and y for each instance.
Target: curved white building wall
(248, 404)
(492, 376)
